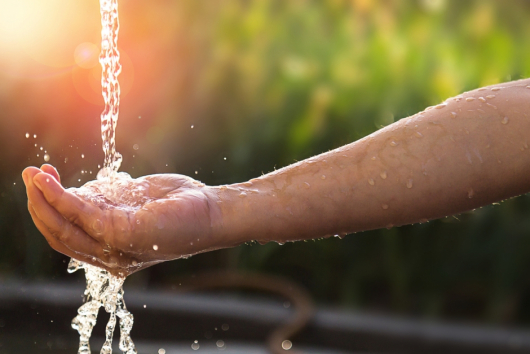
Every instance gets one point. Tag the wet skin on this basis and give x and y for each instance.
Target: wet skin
(470, 151)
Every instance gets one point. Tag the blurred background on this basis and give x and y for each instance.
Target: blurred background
(226, 90)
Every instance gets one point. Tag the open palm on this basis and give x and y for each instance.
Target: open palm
(143, 222)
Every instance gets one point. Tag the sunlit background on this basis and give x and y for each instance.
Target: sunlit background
(264, 84)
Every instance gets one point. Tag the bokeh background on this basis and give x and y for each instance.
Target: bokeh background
(264, 84)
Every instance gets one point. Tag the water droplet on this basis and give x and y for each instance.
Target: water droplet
(97, 225)
(27, 135)
(505, 120)
(441, 105)
(418, 134)
(393, 143)
(155, 247)
(34, 136)
(82, 156)
(371, 182)
(136, 146)
(482, 99)
(225, 327)
(323, 177)
(134, 263)
(306, 185)
(384, 206)
(495, 89)
(492, 106)
(409, 183)
(161, 351)
(242, 195)
(373, 158)
(220, 343)
(389, 226)
(224, 158)
(470, 193)
(145, 306)
(192, 126)
(46, 157)
(35, 145)
(287, 344)
(490, 96)
(195, 345)
(47, 180)
(383, 175)
(469, 99)
(528, 87)
(138, 222)
(196, 172)
(38, 155)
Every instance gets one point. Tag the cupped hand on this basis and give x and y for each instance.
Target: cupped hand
(165, 217)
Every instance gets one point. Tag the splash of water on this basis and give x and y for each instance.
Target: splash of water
(103, 289)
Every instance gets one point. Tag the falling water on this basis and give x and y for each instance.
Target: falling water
(103, 289)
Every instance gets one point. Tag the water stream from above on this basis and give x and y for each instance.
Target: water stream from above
(103, 289)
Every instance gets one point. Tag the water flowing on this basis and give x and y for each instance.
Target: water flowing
(103, 289)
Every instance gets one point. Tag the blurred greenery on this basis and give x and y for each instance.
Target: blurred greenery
(267, 83)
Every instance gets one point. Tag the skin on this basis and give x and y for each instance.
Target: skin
(470, 151)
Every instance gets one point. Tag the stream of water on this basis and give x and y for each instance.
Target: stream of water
(103, 289)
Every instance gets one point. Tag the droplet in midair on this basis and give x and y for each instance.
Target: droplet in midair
(287, 344)
(192, 126)
(34, 136)
(46, 157)
(155, 247)
(505, 120)
(195, 345)
(161, 351)
(27, 135)
(82, 156)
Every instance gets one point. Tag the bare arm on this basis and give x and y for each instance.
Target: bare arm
(467, 152)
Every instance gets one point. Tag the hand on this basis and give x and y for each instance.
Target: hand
(168, 216)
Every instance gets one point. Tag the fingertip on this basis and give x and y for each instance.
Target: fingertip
(29, 173)
(47, 184)
(51, 170)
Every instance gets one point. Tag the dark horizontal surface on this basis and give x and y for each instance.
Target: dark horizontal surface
(40, 313)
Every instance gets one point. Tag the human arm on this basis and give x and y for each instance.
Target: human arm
(470, 151)
(457, 156)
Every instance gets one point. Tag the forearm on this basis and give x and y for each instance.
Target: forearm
(454, 157)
